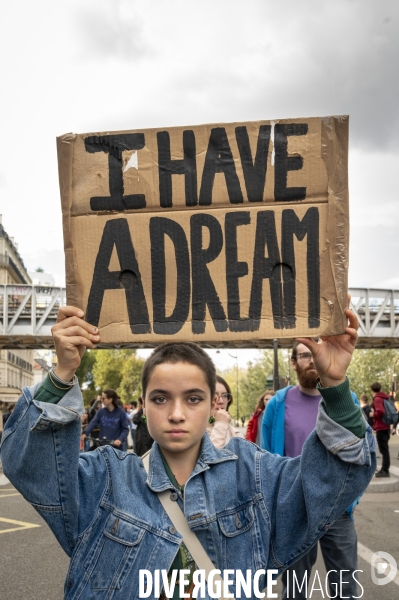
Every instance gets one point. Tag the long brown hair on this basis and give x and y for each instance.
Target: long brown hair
(113, 396)
(261, 399)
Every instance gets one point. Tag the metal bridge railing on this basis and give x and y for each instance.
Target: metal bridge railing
(378, 314)
(27, 313)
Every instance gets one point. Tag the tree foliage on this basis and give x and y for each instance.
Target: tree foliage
(372, 365)
(84, 374)
(118, 370)
(252, 380)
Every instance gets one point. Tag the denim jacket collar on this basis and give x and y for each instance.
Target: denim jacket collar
(158, 480)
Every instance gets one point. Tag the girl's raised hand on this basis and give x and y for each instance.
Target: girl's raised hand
(72, 335)
(332, 354)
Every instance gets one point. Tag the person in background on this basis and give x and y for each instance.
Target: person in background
(219, 429)
(84, 443)
(8, 414)
(288, 421)
(95, 405)
(1, 418)
(144, 441)
(383, 431)
(254, 427)
(133, 427)
(112, 421)
(366, 408)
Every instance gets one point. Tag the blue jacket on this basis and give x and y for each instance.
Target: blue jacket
(114, 424)
(250, 509)
(273, 434)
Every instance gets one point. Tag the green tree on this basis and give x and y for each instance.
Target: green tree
(84, 374)
(252, 380)
(230, 375)
(107, 370)
(118, 370)
(130, 387)
(372, 365)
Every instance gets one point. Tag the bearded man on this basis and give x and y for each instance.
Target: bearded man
(288, 420)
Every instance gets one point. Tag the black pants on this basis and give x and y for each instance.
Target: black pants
(339, 549)
(383, 436)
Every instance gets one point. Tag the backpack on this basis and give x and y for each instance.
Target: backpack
(391, 417)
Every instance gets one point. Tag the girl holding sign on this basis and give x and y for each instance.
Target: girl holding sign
(249, 509)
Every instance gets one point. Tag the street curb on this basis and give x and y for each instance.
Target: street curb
(385, 485)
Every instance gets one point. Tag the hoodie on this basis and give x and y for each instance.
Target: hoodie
(379, 411)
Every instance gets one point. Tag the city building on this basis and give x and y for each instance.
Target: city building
(42, 278)
(40, 370)
(16, 366)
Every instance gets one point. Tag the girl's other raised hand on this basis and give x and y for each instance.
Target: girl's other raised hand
(332, 354)
(72, 335)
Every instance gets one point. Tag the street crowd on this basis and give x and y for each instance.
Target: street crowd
(281, 423)
(313, 433)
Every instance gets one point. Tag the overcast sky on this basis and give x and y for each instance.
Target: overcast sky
(102, 65)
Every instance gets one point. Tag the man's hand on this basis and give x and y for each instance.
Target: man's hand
(117, 443)
(72, 335)
(332, 354)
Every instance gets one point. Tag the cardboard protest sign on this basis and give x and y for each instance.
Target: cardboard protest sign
(234, 233)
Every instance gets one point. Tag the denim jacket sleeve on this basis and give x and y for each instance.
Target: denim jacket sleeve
(305, 495)
(40, 456)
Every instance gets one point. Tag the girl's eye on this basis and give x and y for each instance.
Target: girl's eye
(194, 399)
(159, 399)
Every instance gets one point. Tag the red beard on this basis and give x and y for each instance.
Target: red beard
(307, 377)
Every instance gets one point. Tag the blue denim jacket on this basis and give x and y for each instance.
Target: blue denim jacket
(250, 509)
(273, 430)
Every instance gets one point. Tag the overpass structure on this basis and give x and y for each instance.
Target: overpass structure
(27, 313)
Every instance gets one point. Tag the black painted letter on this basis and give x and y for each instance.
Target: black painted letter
(204, 291)
(159, 227)
(285, 163)
(219, 159)
(309, 226)
(168, 167)
(114, 146)
(254, 171)
(116, 233)
(265, 268)
(235, 269)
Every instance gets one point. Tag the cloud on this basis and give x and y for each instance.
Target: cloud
(111, 30)
(215, 62)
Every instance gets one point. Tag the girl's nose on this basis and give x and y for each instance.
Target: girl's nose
(177, 412)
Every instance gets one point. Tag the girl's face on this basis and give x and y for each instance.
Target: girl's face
(105, 400)
(267, 398)
(177, 406)
(222, 397)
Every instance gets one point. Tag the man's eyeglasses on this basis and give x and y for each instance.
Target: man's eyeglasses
(226, 397)
(305, 355)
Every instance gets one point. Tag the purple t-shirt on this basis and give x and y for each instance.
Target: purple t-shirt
(299, 420)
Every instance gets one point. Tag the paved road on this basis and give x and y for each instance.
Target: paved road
(33, 566)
